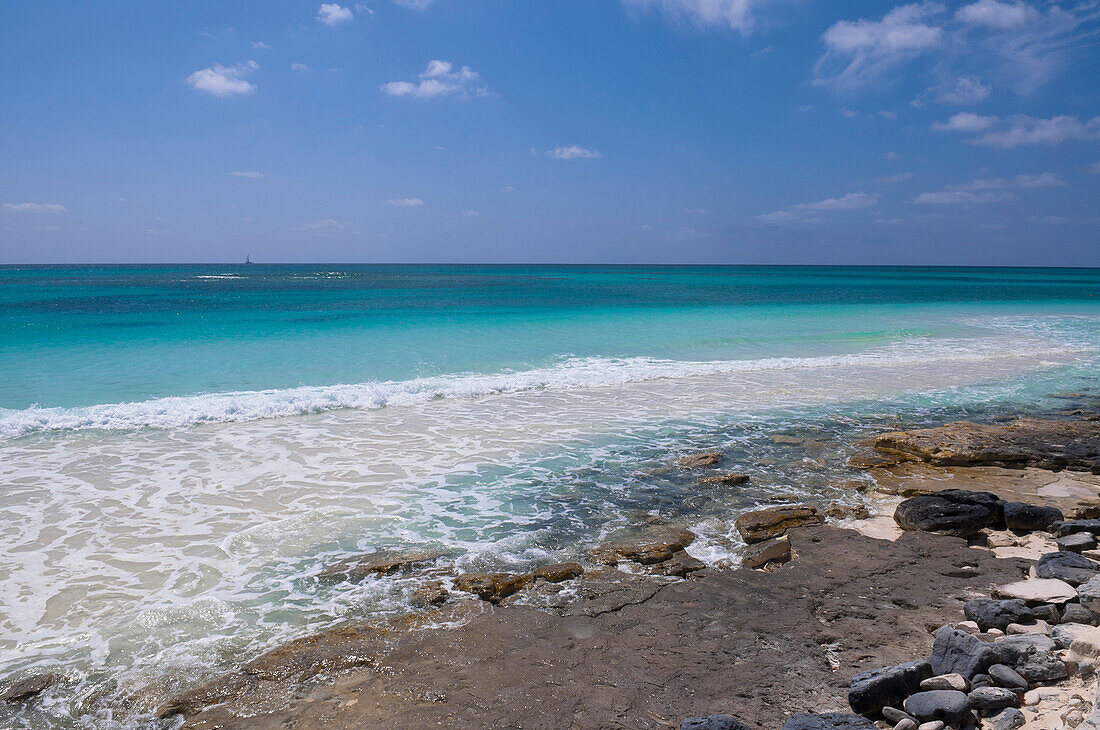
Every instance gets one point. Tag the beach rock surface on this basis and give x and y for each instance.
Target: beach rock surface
(750, 642)
(701, 459)
(493, 587)
(1032, 442)
(777, 550)
(652, 541)
(379, 563)
(24, 689)
(772, 522)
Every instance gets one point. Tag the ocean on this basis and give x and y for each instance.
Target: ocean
(184, 448)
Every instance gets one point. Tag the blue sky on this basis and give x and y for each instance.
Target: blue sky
(658, 131)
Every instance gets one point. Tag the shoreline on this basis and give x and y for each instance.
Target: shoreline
(854, 596)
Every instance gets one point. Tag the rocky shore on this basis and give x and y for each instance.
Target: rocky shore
(969, 599)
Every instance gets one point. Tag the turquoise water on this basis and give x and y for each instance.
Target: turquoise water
(184, 448)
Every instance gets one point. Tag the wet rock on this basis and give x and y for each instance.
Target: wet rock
(776, 550)
(701, 459)
(219, 690)
(342, 647)
(946, 681)
(772, 522)
(948, 705)
(678, 566)
(1005, 676)
(430, 594)
(1026, 442)
(1075, 613)
(1072, 527)
(955, 512)
(558, 572)
(1007, 719)
(380, 563)
(493, 587)
(28, 687)
(873, 689)
(828, 721)
(998, 614)
(728, 480)
(1089, 594)
(841, 511)
(1076, 542)
(1027, 517)
(1038, 590)
(959, 652)
(1070, 567)
(713, 722)
(992, 698)
(653, 541)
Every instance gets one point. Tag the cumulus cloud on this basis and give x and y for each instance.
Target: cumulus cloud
(573, 152)
(224, 81)
(440, 78)
(994, 14)
(738, 15)
(332, 14)
(260, 46)
(35, 207)
(807, 212)
(860, 52)
(250, 174)
(405, 202)
(965, 90)
(965, 122)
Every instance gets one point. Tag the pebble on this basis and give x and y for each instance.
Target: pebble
(1007, 677)
(953, 681)
(1032, 698)
(995, 632)
(906, 724)
(934, 725)
(895, 715)
(980, 680)
(970, 627)
(948, 705)
(1007, 719)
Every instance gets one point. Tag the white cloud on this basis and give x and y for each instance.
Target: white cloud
(333, 14)
(1050, 219)
(250, 174)
(470, 213)
(899, 177)
(960, 197)
(224, 81)
(301, 67)
(994, 14)
(804, 108)
(573, 152)
(35, 207)
(1043, 180)
(440, 78)
(963, 91)
(965, 122)
(260, 46)
(806, 212)
(738, 15)
(325, 225)
(1024, 130)
(891, 156)
(860, 52)
(848, 113)
(886, 114)
(510, 189)
(414, 4)
(405, 202)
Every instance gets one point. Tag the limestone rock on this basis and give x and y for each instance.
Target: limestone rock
(729, 480)
(946, 681)
(380, 563)
(28, 687)
(653, 541)
(772, 522)
(558, 572)
(1038, 590)
(701, 459)
(430, 594)
(842, 511)
(776, 550)
(492, 587)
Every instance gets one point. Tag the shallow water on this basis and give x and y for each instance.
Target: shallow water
(201, 446)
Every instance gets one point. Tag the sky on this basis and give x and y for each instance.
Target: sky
(557, 131)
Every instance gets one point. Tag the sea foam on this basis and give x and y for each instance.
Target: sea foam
(569, 373)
